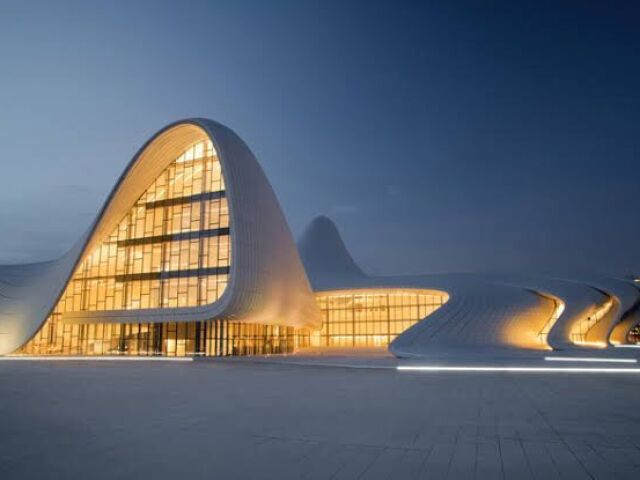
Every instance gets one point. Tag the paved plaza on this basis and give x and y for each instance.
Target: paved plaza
(292, 419)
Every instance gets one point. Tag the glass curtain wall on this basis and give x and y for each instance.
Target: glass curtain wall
(371, 318)
(171, 250)
(210, 338)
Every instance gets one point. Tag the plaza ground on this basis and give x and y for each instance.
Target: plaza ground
(301, 418)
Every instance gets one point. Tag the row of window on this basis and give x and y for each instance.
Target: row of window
(370, 301)
(372, 317)
(341, 328)
(210, 338)
(117, 274)
(109, 294)
(192, 214)
(196, 171)
(111, 260)
(383, 314)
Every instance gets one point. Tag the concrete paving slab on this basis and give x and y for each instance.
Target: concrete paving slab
(261, 419)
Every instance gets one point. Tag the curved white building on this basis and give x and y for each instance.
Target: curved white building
(191, 255)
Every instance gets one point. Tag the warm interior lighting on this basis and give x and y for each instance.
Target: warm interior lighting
(591, 359)
(585, 343)
(172, 249)
(372, 317)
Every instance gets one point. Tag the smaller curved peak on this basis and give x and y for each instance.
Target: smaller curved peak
(325, 256)
(372, 317)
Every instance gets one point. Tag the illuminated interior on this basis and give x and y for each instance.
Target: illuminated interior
(210, 338)
(371, 317)
(580, 330)
(171, 250)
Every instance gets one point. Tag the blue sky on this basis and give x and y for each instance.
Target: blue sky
(440, 136)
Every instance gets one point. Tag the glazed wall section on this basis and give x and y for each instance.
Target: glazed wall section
(371, 318)
(171, 250)
(173, 339)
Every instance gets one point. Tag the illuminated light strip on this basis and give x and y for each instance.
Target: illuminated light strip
(626, 345)
(516, 369)
(585, 343)
(53, 358)
(590, 359)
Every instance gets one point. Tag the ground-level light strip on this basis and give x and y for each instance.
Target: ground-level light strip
(428, 368)
(591, 359)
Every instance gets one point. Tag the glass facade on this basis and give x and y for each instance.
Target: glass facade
(210, 338)
(371, 318)
(172, 250)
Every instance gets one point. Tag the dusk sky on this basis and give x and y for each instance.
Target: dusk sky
(439, 136)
